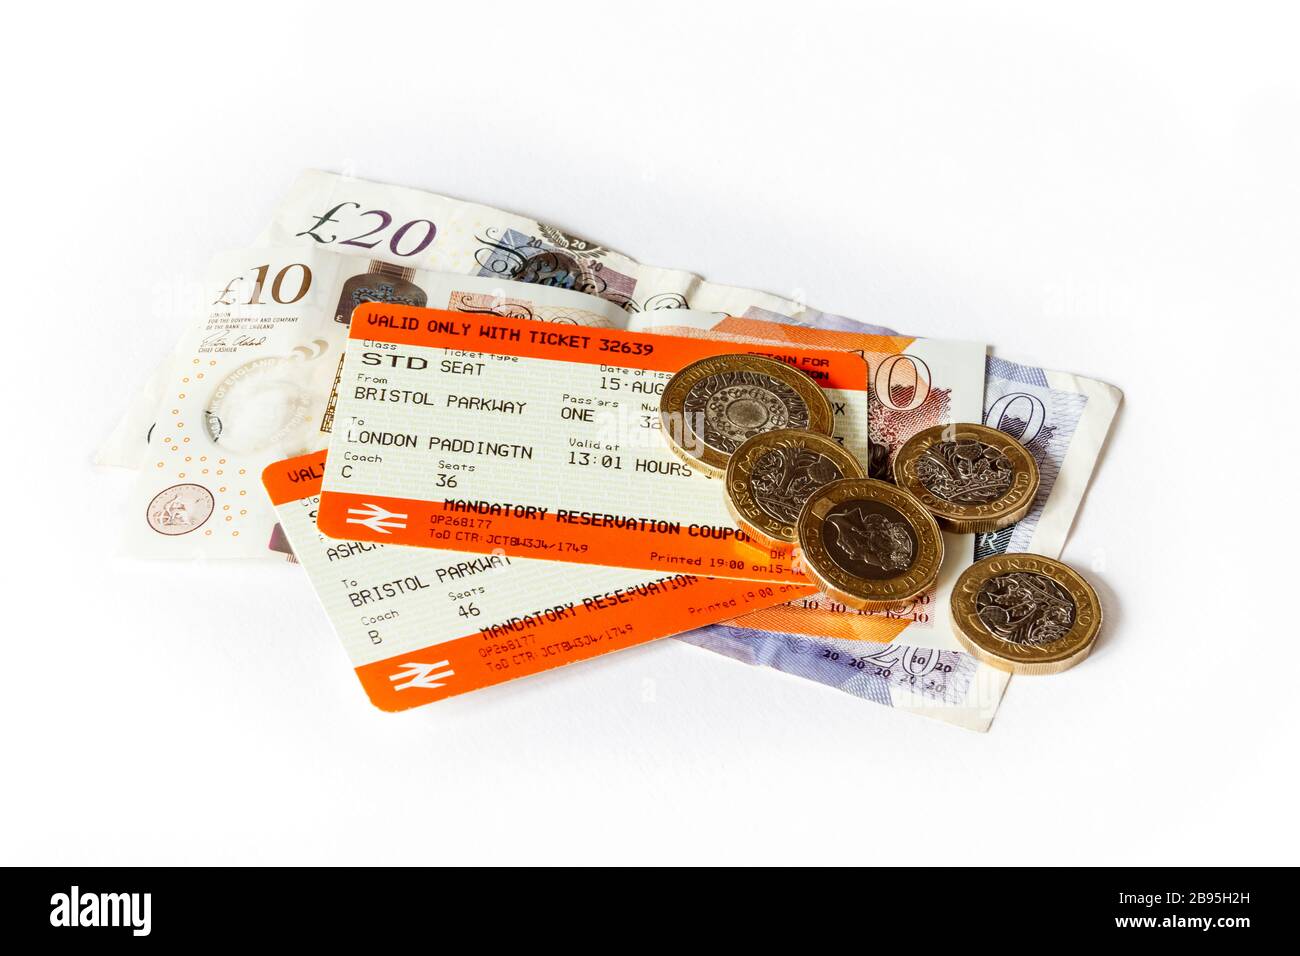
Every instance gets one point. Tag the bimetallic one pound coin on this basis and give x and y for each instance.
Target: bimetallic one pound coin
(713, 406)
(869, 544)
(771, 476)
(1025, 613)
(970, 477)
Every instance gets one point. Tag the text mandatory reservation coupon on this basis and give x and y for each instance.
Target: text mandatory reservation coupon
(538, 440)
(421, 625)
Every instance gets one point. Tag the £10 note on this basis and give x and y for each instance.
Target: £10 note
(915, 383)
(947, 685)
(255, 379)
(1063, 419)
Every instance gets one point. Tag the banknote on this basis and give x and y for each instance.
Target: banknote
(1063, 419)
(423, 229)
(915, 383)
(254, 380)
(947, 685)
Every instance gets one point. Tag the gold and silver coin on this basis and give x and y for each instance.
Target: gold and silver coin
(1025, 613)
(772, 475)
(869, 544)
(713, 406)
(970, 477)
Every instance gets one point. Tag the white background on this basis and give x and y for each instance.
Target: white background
(1109, 189)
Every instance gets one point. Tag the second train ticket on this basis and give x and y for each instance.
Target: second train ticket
(541, 440)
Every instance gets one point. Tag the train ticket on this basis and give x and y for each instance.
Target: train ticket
(493, 434)
(421, 624)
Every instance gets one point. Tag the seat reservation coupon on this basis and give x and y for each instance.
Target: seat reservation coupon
(421, 624)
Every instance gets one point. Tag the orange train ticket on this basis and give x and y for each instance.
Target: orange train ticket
(421, 624)
(539, 440)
